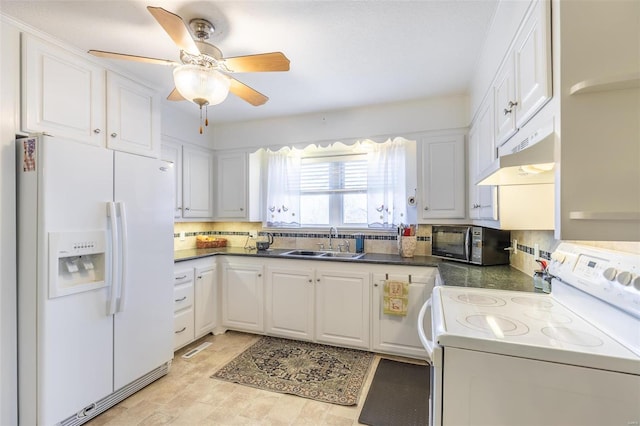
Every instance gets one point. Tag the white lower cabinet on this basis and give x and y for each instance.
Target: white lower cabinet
(242, 294)
(196, 300)
(206, 299)
(327, 302)
(342, 308)
(289, 310)
(399, 334)
(183, 306)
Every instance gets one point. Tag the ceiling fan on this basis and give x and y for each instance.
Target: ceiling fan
(202, 76)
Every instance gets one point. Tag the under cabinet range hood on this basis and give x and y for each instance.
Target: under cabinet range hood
(524, 160)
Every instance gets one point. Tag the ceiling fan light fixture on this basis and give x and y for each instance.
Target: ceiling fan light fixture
(201, 85)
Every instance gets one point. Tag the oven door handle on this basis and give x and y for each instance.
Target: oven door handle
(428, 344)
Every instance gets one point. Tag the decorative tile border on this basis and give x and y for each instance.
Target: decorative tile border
(299, 235)
(530, 250)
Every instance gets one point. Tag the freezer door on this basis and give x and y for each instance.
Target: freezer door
(143, 323)
(65, 342)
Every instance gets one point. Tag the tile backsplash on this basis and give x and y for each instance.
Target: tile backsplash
(237, 235)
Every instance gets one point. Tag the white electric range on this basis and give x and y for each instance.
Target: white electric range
(516, 358)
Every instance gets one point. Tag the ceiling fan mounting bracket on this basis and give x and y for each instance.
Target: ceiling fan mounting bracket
(201, 28)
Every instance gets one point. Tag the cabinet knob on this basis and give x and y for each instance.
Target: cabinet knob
(187, 208)
(181, 299)
(310, 280)
(318, 279)
(96, 131)
(259, 275)
(180, 331)
(199, 277)
(507, 111)
(114, 134)
(241, 209)
(178, 208)
(375, 285)
(181, 277)
(426, 208)
(511, 104)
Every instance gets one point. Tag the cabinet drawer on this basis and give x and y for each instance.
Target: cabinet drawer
(183, 276)
(182, 328)
(183, 296)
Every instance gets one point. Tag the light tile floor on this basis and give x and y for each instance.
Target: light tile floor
(188, 396)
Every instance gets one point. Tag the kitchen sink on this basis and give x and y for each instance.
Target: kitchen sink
(322, 254)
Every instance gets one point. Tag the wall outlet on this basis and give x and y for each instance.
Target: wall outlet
(182, 236)
(253, 234)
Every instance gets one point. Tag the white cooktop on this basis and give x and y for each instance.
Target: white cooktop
(529, 325)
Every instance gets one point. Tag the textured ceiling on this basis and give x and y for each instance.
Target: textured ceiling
(343, 53)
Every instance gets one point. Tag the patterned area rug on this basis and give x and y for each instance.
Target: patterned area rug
(319, 372)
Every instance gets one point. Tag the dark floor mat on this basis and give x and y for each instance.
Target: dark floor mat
(399, 395)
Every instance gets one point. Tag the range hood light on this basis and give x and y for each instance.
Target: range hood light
(534, 169)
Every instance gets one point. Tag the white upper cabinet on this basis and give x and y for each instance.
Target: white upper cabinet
(232, 185)
(532, 56)
(197, 182)
(482, 152)
(62, 93)
(523, 83)
(133, 117)
(442, 177)
(68, 96)
(238, 186)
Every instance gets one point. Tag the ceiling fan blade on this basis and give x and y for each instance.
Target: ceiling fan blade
(176, 28)
(274, 61)
(113, 55)
(246, 93)
(175, 96)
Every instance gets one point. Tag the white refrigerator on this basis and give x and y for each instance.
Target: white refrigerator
(95, 268)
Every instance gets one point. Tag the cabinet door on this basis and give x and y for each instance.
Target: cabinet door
(133, 117)
(342, 308)
(232, 185)
(399, 334)
(505, 101)
(172, 152)
(533, 64)
(482, 152)
(62, 93)
(206, 300)
(443, 177)
(242, 297)
(197, 183)
(289, 303)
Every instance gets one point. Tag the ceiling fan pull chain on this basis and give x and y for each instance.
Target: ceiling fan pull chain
(206, 116)
(200, 119)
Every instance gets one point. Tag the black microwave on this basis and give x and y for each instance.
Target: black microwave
(471, 244)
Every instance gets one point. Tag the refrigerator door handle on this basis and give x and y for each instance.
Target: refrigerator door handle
(123, 256)
(111, 213)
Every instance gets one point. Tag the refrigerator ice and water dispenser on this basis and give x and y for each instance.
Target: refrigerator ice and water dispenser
(76, 262)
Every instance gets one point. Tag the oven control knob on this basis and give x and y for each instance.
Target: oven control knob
(610, 273)
(558, 257)
(624, 278)
(636, 282)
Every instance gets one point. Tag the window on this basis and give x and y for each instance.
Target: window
(333, 190)
(359, 186)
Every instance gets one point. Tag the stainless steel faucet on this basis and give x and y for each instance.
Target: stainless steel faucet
(333, 232)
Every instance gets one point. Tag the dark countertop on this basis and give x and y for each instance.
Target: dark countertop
(502, 277)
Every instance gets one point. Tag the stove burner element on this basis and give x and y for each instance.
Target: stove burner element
(479, 300)
(533, 302)
(574, 337)
(497, 325)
